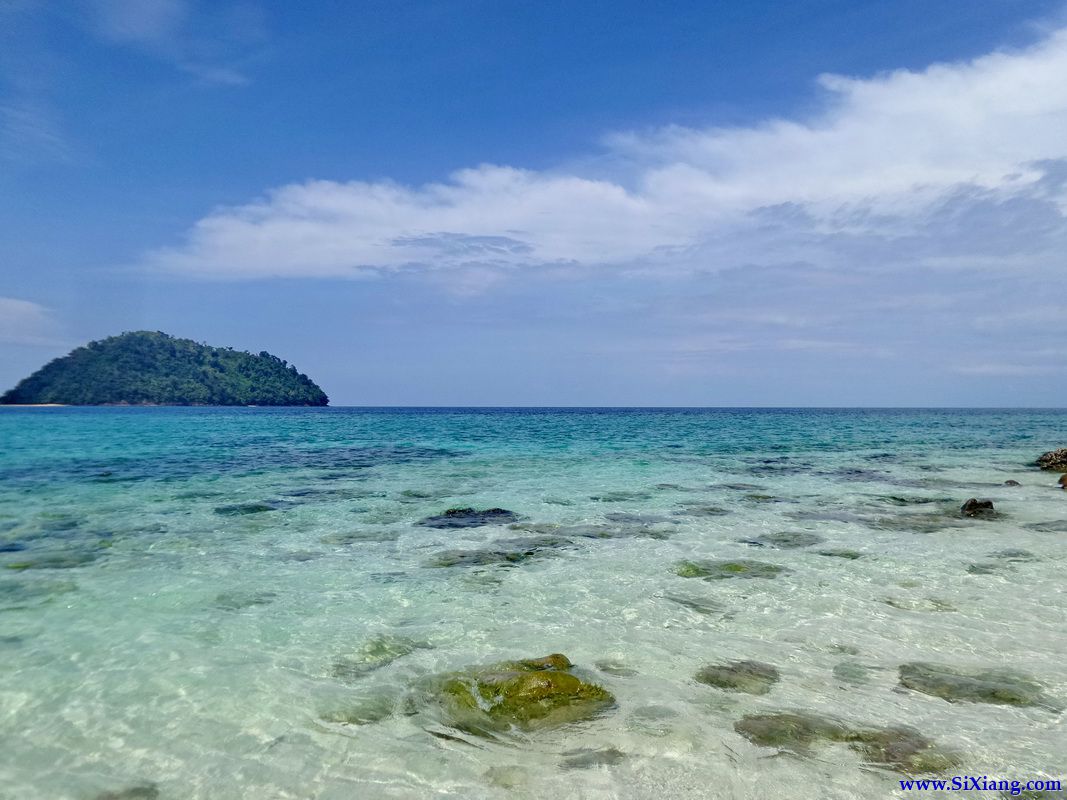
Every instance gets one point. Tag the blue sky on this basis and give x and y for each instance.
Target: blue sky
(815, 202)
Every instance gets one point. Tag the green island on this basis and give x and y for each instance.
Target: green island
(154, 368)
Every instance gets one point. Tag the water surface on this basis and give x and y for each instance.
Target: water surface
(190, 597)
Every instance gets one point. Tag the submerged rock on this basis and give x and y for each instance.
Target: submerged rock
(366, 711)
(796, 731)
(841, 552)
(376, 653)
(1054, 460)
(898, 500)
(902, 749)
(18, 593)
(1019, 793)
(469, 518)
(785, 540)
(1056, 526)
(919, 604)
(505, 552)
(587, 757)
(369, 536)
(852, 672)
(701, 605)
(146, 791)
(57, 559)
(699, 510)
(596, 530)
(1015, 554)
(918, 522)
(977, 508)
(720, 570)
(1012, 483)
(236, 601)
(997, 686)
(616, 668)
(751, 677)
(620, 496)
(899, 748)
(527, 694)
(626, 518)
(242, 509)
(757, 497)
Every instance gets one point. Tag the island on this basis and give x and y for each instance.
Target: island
(154, 368)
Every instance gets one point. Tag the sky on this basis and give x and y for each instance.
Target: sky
(511, 202)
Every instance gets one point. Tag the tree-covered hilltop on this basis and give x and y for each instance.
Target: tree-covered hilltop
(146, 368)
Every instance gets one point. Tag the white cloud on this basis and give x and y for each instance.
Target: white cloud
(25, 323)
(956, 166)
(203, 41)
(144, 22)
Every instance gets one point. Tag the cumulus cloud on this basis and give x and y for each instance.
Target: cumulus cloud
(958, 166)
(26, 323)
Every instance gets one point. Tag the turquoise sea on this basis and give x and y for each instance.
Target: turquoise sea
(236, 603)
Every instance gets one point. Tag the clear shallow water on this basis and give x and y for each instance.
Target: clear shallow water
(152, 633)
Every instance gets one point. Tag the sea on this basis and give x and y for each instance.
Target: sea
(237, 602)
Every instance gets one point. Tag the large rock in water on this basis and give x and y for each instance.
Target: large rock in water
(1054, 460)
(978, 508)
(751, 677)
(527, 694)
(997, 686)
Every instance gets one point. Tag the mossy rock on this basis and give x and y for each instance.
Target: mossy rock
(751, 677)
(996, 686)
(897, 747)
(794, 731)
(1035, 794)
(902, 749)
(527, 694)
(720, 570)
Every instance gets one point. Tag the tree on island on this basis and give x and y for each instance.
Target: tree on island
(153, 368)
